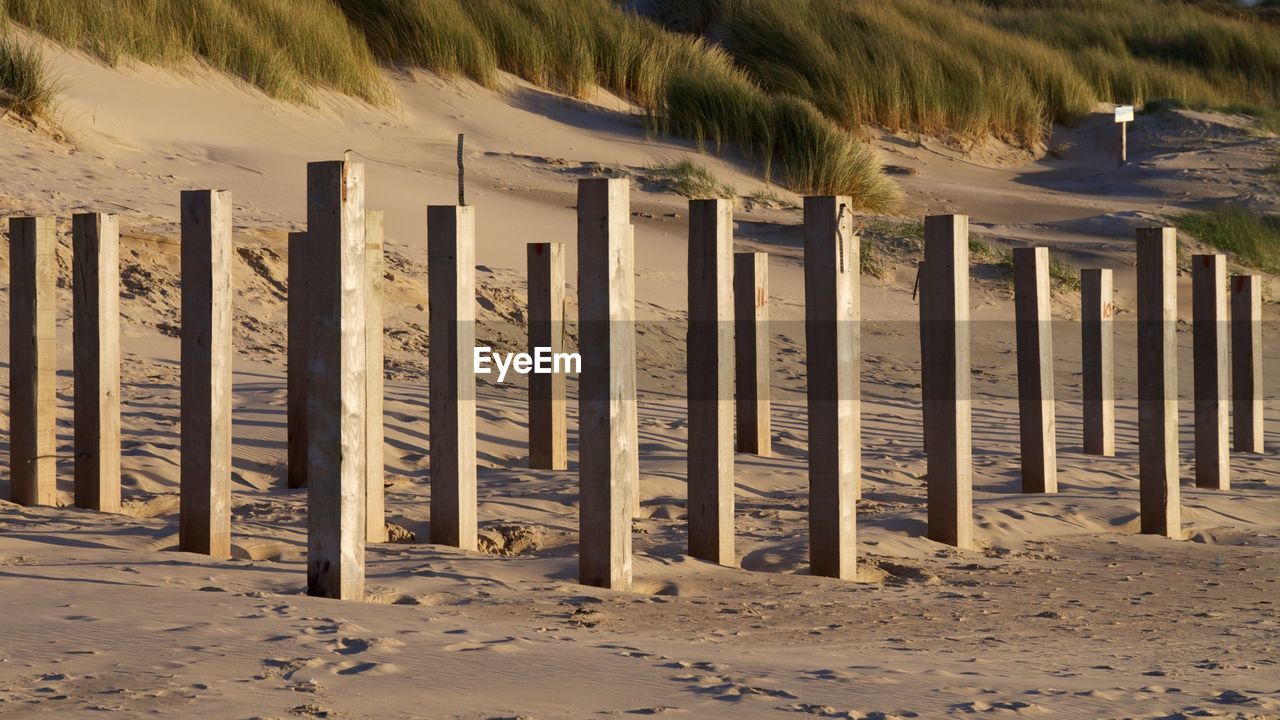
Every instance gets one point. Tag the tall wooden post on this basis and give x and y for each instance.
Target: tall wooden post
(751, 352)
(95, 250)
(607, 344)
(336, 386)
(710, 381)
(451, 268)
(1209, 324)
(948, 424)
(33, 278)
(1034, 323)
(631, 402)
(1158, 381)
(832, 312)
(548, 436)
(375, 477)
(205, 508)
(300, 315)
(1246, 362)
(1097, 361)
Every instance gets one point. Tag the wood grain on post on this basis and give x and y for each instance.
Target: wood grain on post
(1158, 382)
(1210, 338)
(300, 315)
(205, 507)
(751, 352)
(1034, 323)
(95, 250)
(33, 276)
(948, 422)
(710, 381)
(1097, 361)
(548, 435)
(832, 312)
(451, 270)
(631, 402)
(374, 497)
(336, 384)
(607, 463)
(1246, 363)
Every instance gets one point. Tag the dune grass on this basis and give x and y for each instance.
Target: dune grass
(690, 179)
(26, 87)
(1252, 237)
(931, 66)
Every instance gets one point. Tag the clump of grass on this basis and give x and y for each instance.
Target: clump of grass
(871, 260)
(766, 198)
(26, 88)
(688, 178)
(1252, 237)
(1063, 274)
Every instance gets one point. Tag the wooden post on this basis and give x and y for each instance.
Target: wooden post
(1246, 362)
(606, 385)
(1097, 361)
(451, 268)
(548, 435)
(336, 384)
(205, 507)
(1209, 324)
(375, 477)
(300, 315)
(751, 352)
(832, 311)
(627, 360)
(33, 277)
(1124, 144)
(924, 356)
(1034, 323)
(948, 424)
(95, 250)
(1158, 381)
(710, 381)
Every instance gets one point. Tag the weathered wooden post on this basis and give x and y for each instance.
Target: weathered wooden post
(374, 501)
(606, 385)
(95, 250)
(832, 312)
(451, 269)
(710, 381)
(924, 356)
(1246, 362)
(1210, 337)
(205, 506)
(300, 315)
(1097, 361)
(751, 352)
(336, 384)
(33, 279)
(631, 403)
(948, 425)
(1158, 381)
(548, 435)
(1034, 323)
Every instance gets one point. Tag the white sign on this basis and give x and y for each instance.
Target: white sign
(1124, 113)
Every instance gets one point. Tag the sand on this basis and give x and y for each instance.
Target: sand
(1061, 611)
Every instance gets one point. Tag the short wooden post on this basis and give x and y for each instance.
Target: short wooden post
(1034, 325)
(33, 277)
(607, 344)
(948, 423)
(832, 312)
(205, 507)
(374, 501)
(336, 386)
(95, 250)
(1246, 363)
(451, 268)
(751, 352)
(300, 314)
(1158, 381)
(1210, 338)
(548, 435)
(710, 381)
(1097, 361)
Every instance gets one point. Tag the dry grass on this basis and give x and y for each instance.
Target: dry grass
(26, 88)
